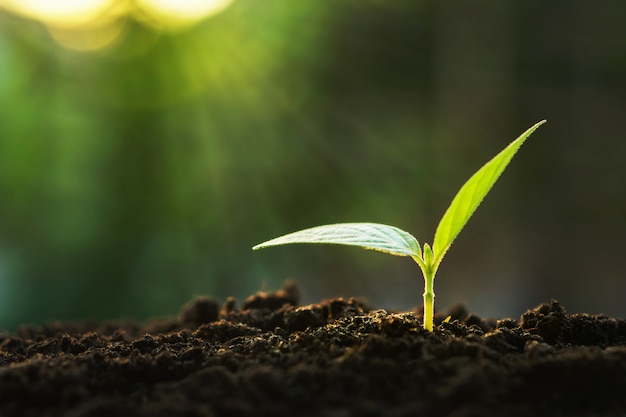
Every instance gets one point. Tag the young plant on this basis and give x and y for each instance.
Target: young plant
(390, 239)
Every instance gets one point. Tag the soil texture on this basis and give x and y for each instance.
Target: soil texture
(271, 357)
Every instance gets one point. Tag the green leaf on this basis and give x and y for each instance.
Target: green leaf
(373, 236)
(471, 194)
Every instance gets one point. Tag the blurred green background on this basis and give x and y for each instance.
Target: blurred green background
(145, 148)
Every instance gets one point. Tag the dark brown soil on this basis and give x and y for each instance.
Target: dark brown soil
(336, 358)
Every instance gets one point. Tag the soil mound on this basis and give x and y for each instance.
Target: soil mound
(340, 357)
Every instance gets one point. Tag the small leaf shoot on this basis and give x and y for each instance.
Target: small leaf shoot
(472, 194)
(395, 241)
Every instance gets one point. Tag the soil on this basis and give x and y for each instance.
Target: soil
(270, 357)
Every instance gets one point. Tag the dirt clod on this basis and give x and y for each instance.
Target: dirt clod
(199, 311)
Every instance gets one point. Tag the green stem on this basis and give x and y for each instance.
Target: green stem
(429, 301)
(426, 264)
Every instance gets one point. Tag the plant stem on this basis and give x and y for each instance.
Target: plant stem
(428, 270)
(429, 301)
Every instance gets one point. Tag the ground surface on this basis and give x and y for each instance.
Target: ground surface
(337, 358)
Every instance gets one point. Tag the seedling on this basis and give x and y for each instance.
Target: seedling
(390, 239)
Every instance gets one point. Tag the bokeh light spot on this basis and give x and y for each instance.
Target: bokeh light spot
(175, 13)
(91, 39)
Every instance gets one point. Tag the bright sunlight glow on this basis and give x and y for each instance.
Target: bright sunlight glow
(94, 24)
(60, 13)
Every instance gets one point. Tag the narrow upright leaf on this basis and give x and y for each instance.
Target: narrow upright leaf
(471, 194)
(373, 236)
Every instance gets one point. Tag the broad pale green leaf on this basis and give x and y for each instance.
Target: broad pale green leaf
(373, 236)
(471, 194)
